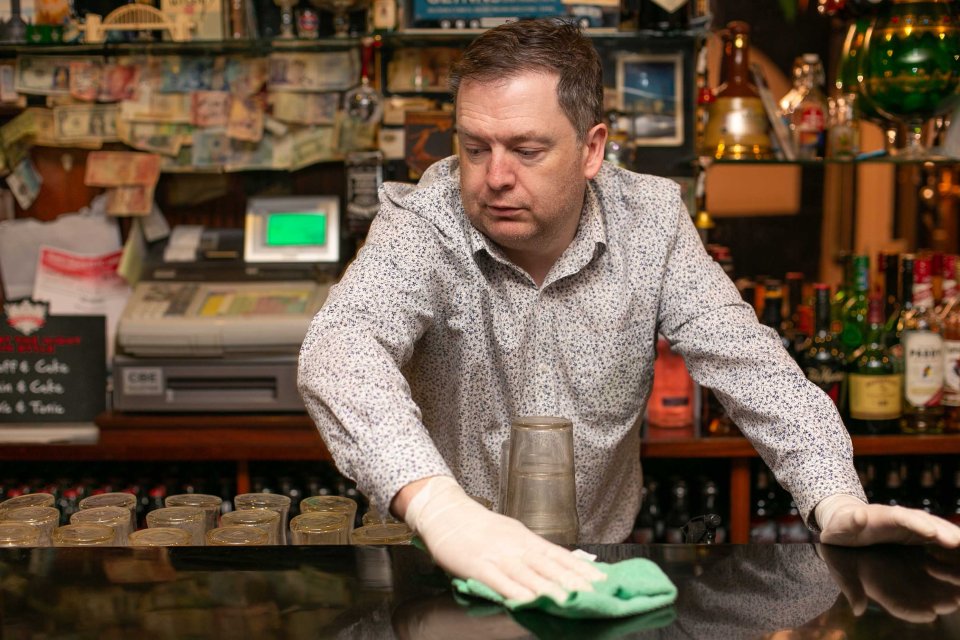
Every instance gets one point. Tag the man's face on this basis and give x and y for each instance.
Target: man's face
(523, 172)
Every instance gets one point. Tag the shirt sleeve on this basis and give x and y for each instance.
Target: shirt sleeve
(350, 363)
(794, 426)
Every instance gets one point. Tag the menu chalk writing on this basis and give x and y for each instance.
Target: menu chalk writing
(52, 368)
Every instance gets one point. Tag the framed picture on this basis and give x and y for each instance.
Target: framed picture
(650, 93)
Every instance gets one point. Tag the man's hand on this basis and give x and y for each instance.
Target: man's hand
(470, 541)
(845, 520)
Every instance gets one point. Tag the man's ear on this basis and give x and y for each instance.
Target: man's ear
(593, 146)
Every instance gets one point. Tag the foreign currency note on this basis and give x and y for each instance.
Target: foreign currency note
(209, 108)
(246, 119)
(211, 148)
(304, 108)
(85, 79)
(45, 75)
(121, 168)
(313, 145)
(130, 200)
(327, 71)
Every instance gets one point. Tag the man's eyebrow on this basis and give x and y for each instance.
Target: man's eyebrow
(519, 138)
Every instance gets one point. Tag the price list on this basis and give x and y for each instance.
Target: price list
(52, 369)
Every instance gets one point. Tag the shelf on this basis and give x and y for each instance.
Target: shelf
(708, 161)
(741, 447)
(294, 437)
(259, 46)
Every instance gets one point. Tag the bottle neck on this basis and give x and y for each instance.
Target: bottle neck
(736, 67)
(821, 311)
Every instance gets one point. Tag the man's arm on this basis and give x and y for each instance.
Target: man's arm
(793, 425)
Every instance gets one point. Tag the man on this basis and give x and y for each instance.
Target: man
(528, 277)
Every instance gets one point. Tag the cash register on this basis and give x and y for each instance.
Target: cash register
(218, 322)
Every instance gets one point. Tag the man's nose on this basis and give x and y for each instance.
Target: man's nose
(500, 171)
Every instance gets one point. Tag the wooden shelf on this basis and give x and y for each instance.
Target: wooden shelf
(294, 437)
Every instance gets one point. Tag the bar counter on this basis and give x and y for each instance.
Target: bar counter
(725, 591)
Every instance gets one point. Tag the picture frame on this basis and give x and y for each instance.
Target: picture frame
(650, 92)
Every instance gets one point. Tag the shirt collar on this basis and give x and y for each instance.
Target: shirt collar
(591, 235)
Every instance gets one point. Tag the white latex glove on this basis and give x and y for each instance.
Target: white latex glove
(470, 541)
(845, 520)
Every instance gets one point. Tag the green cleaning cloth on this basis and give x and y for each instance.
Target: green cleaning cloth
(632, 587)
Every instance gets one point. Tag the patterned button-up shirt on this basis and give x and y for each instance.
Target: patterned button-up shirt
(433, 341)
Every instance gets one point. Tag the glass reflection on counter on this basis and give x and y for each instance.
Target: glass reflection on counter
(759, 591)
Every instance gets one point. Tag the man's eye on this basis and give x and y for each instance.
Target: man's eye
(473, 152)
(528, 153)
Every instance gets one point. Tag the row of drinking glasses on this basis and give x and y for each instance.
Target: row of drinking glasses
(109, 519)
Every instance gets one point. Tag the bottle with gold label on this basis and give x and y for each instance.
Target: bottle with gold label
(737, 125)
(875, 398)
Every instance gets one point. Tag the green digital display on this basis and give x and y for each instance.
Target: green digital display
(296, 229)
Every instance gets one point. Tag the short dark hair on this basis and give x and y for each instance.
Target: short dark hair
(546, 44)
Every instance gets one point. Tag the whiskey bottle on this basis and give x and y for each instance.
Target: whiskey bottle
(822, 360)
(875, 403)
(922, 359)
(854, 315)
(773, 311)
(891, 282)
(737, 125)
(903, 311)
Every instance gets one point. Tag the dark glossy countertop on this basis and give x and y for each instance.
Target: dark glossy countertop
(752, 591)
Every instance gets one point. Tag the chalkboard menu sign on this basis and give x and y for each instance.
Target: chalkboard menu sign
(52, 368)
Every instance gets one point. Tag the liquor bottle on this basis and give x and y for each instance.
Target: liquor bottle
(808, 117)
(763, 526)
(892, 493)
(926, 498)
(679, 513)
(936, 278)
(903, 312)
(773, 311)
(645, 527)
(670, 408)
(842, 293)
(711, 505)
(794, 326)
(875, 403)
(823, 358)
(737, 126)
(854, 316)
(922, 359)
(951, 353)
(953, 515)
(891, 282)
(950, 288)
(790, 525)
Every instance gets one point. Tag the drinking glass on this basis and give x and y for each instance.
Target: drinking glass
(19, 534)
(237, 536)
(382, 534)
(117, 518)
(332, 504)
(84, 535)
(161, 537)
(28, 500)
(191, 519)
(372, 516)
(208, 503)
(44, 518)
(114, 499)
(320, 528)
(266, 520)
(272, 501)
(541, 484)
